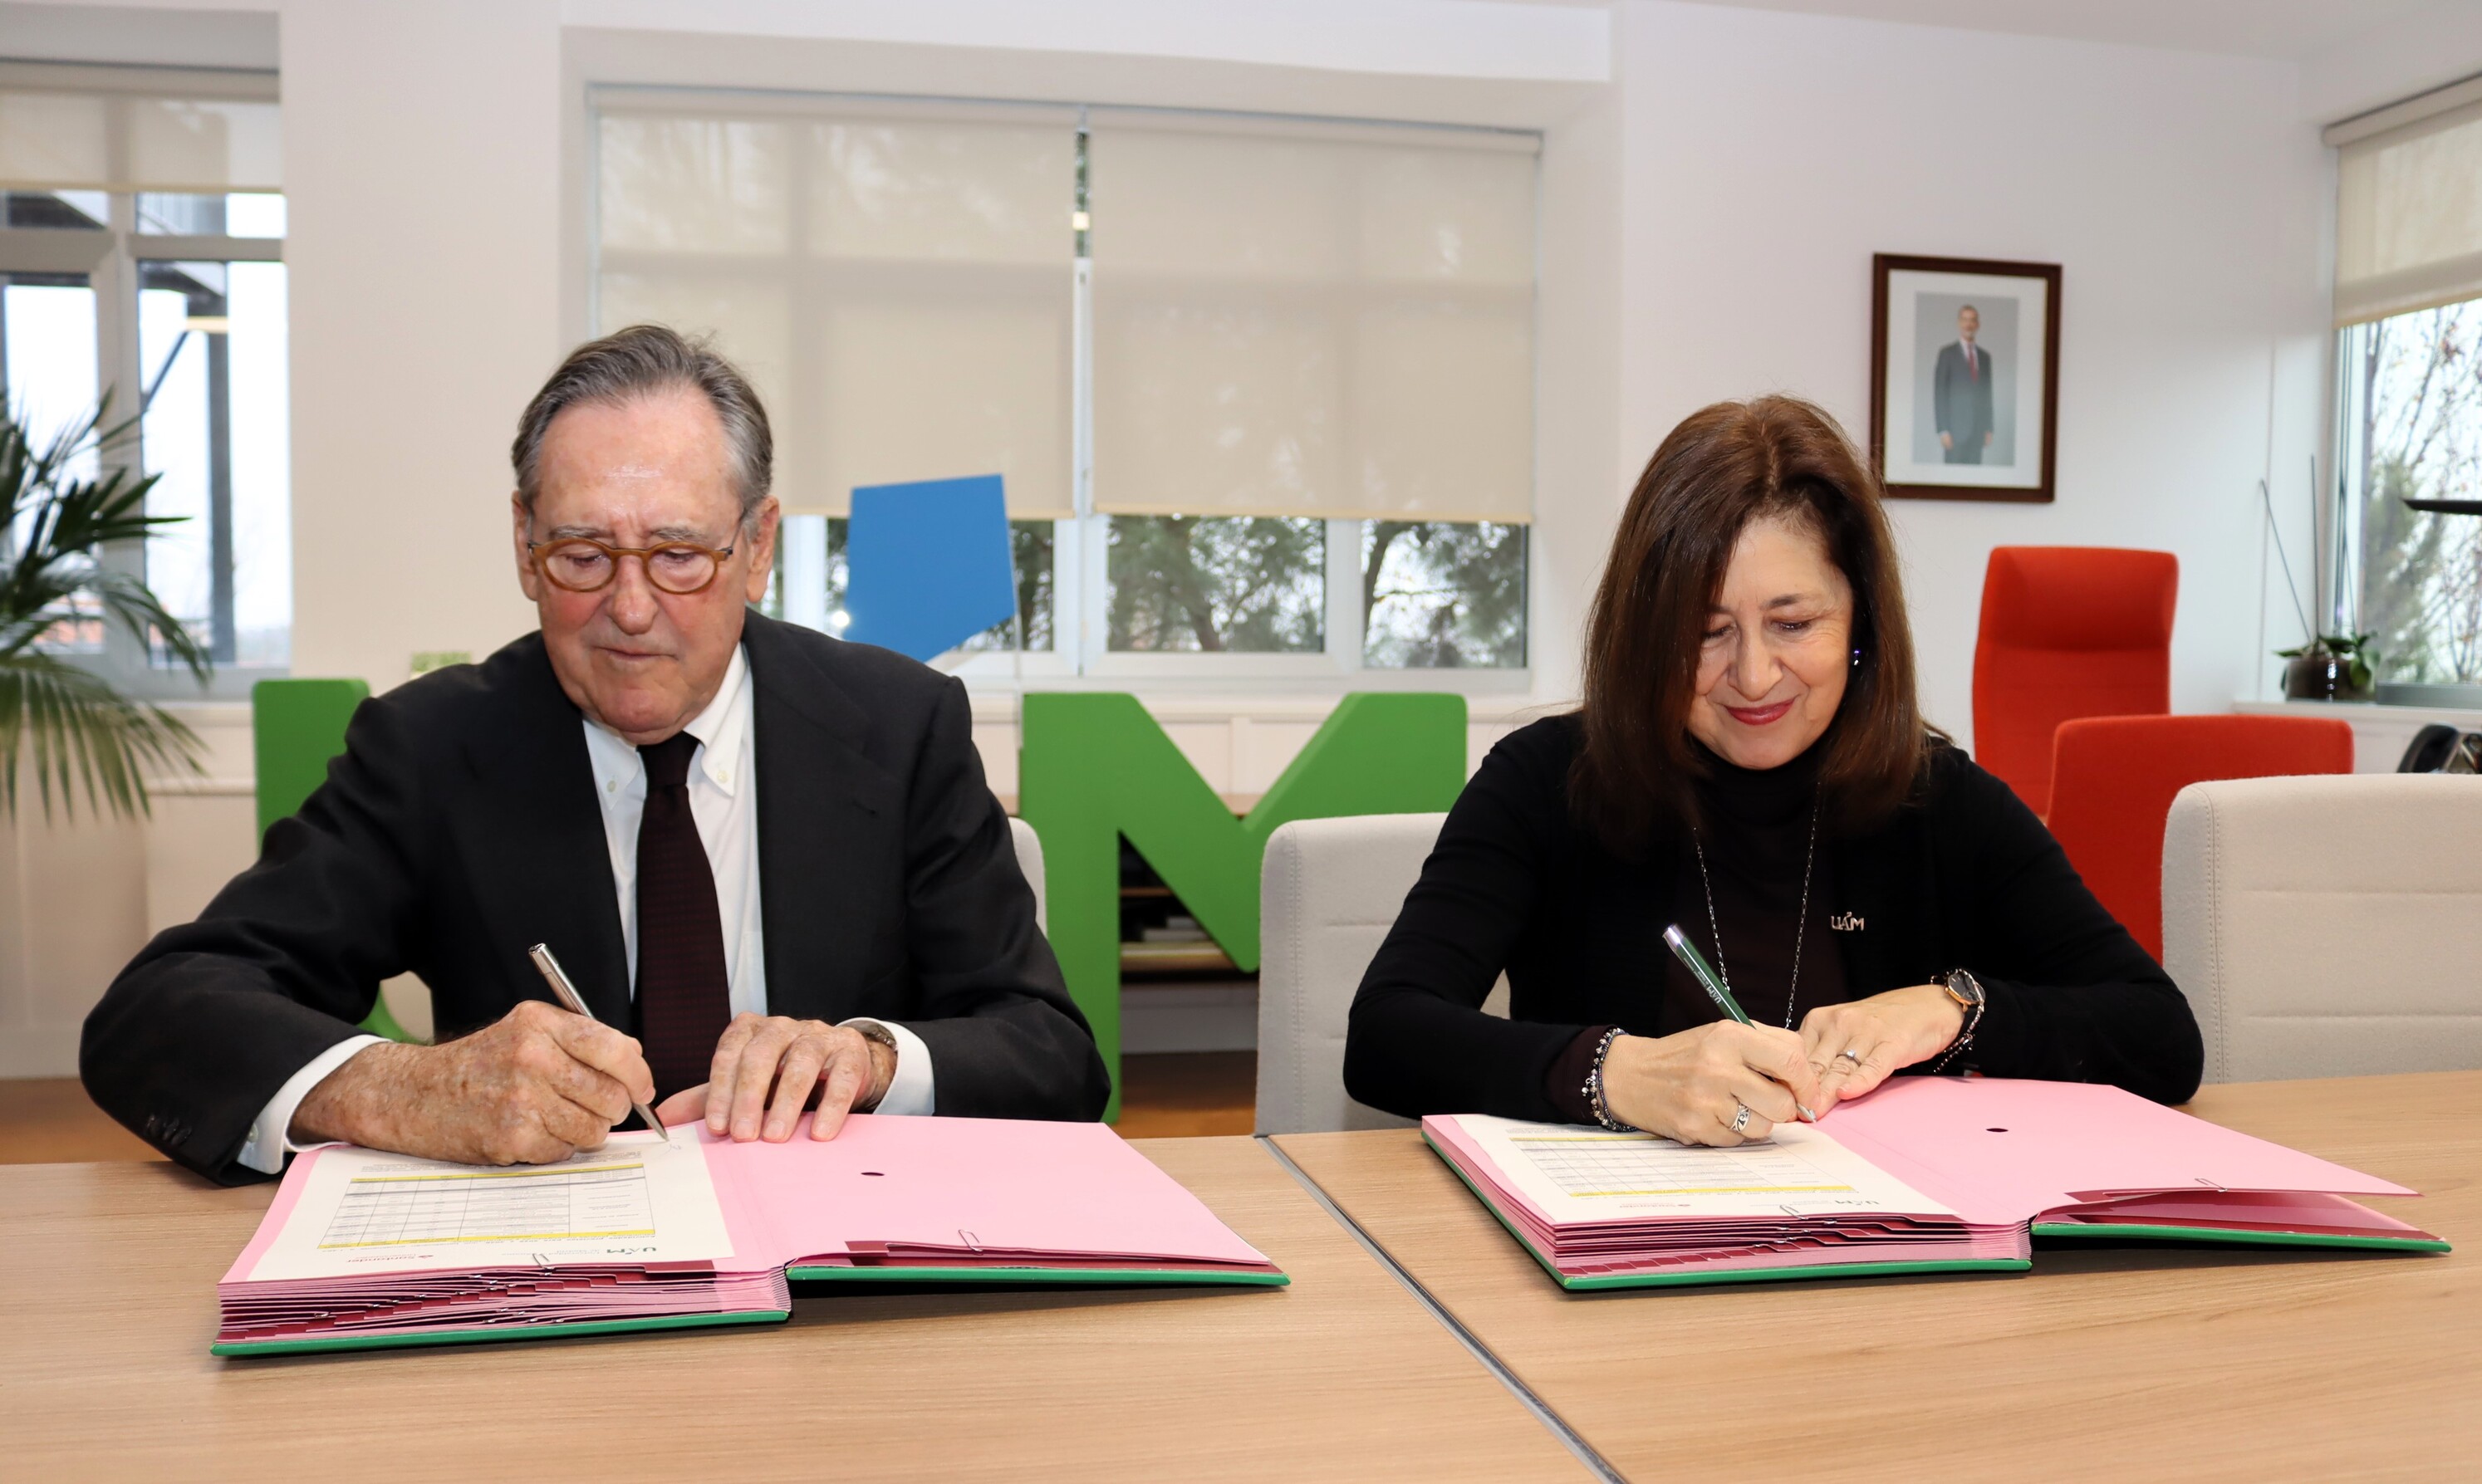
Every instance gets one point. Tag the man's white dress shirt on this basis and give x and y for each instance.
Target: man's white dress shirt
(723, 801)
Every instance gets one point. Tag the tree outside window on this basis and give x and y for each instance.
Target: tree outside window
(2414, 384)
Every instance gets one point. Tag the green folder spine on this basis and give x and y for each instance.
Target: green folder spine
(2228, 1236)
(467, 1336)
(1012, 1275)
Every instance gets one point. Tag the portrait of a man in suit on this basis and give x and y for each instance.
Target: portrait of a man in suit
(1961, 405)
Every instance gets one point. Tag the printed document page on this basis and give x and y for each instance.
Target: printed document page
(635, 1201)
(1580, 1174)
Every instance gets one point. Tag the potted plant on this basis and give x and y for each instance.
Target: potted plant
(2339, 666)
(2331, 667)
(67, 726)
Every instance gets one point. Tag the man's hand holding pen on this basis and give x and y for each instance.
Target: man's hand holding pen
(536, 1086)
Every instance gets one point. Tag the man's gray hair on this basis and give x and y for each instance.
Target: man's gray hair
(641, 362)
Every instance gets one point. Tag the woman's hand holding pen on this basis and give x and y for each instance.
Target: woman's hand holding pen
(1693, 1087)
(1854, 1046)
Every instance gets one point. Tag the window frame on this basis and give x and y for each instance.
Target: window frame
(1080, 656)
(113, 276)
(114, 255)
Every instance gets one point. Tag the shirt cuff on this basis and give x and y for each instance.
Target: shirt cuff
(270, 1139)
(910, 1092)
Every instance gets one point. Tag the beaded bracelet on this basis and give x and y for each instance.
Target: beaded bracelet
(1593, 1088)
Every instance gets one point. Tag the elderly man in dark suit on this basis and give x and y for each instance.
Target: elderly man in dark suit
(767, 857)
(1961, 392)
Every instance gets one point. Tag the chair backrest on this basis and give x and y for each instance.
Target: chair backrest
(2067, 632)
(2113, 780)
(1328, 892)
(1029, 859)
(2328, 926)
(295, 727)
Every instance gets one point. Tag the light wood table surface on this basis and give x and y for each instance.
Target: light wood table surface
(108, 1306)
(2156, 1362)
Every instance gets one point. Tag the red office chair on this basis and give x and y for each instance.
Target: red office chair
(2113, 779)
(2066, 631)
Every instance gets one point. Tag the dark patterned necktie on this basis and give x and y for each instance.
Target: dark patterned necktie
(685, 996)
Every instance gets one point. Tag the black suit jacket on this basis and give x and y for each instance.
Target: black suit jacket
(460, 826)
(1964, 876)
(1960, 400)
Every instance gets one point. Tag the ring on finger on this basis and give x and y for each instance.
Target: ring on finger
(1741, 1119)
(1851, 1055)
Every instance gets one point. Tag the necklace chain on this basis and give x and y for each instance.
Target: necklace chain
(1800, 923)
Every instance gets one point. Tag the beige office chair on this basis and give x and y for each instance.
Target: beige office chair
(2328, 926)
(1328, 892)
(1029, 859)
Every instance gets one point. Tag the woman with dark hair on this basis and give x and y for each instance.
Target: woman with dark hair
(1749, 763)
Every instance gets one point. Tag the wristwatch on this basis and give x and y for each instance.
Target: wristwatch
(873, 1031)
(1966, 991)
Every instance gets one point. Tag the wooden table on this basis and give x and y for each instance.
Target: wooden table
(108, 1304)
(2149, 1362)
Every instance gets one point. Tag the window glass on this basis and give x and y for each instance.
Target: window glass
(211, 340)
(252, 214)
(1218, 583)
(1031, 545)
(2413, 401)
(174, 360)
(47, 351)
(47, 375)
(82, 211)
(1443, 595)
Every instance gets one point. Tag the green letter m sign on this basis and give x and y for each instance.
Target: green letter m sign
(1094, 766)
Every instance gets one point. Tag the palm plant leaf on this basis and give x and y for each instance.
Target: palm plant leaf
(69, 726)
(79, 735)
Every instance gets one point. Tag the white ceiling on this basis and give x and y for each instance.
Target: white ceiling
(2292, 29)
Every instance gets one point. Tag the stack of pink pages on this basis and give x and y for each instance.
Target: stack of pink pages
(365, 1249)
(1928, 1173)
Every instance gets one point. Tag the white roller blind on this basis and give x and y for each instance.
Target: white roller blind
(2408, 217)
(135, 129)
(896, 281)
(1312, 322)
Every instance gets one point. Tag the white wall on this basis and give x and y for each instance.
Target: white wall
(422, 171)
(1769, 155)
(2412, 54)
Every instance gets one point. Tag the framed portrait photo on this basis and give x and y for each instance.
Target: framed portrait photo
(1964, 377)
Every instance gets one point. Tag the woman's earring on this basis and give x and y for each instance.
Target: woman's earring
(1856, 658)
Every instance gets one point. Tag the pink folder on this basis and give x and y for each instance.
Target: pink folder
(919, 1200)
(2007, 1160)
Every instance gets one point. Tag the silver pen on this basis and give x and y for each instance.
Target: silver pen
(575, 1004)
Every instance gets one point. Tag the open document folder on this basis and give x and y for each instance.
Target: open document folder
(1928, 1173)
(368, 1249)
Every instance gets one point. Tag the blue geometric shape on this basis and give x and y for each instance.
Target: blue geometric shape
(928, 564)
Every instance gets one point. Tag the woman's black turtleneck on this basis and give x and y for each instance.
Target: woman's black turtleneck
(1963, 877)
(1756, 832)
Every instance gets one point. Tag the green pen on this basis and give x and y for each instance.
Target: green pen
(1707, 980)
